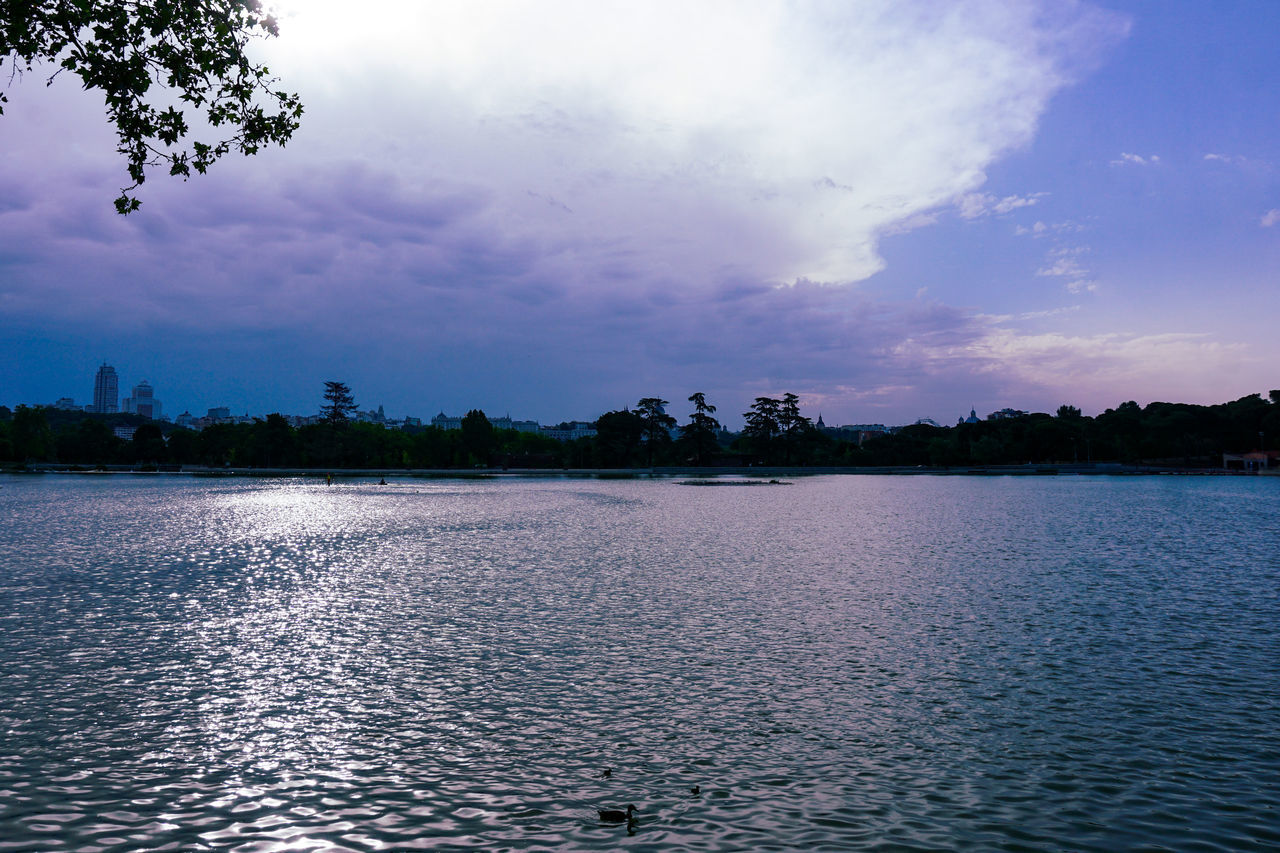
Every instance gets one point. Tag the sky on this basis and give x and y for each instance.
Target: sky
(893, 209)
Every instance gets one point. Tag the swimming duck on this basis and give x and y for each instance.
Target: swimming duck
(606, 773)
(696, 790)
(616, 815)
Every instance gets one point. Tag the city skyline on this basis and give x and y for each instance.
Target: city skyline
(147, 406)
(891, 212)
(143, 403)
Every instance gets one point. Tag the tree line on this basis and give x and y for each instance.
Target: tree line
(776, 433)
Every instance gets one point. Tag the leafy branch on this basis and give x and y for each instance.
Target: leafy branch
(140, 53)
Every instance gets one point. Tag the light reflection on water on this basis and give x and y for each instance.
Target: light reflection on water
(842, 663)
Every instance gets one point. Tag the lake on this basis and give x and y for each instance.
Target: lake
(841, 663)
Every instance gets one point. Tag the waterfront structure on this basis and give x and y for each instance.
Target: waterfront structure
(143, 401)
(1254, 460)
(106, 391)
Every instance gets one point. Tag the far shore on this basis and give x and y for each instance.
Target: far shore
(1098, 468)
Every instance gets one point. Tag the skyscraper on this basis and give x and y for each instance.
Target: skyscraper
(143, 401)
(106, 390)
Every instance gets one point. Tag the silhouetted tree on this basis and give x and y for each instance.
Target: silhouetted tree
(762, 427)
(31, 436)
(699, 435)
(89, 442)
(272, 442)
(656, 424)
(182, 446)
(618, 436)
(147, 445)
(339, 403)
(216, 445)
(153, 61)
(792, 426)
(478, 439)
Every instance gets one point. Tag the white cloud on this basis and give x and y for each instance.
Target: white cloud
(1050, 312)
(911, 223)
(1271, 217)
(1064, 262)
(1126, 361)
(1042, 229)
(1127, 159)
(976, 205)
(1111, 366)
(788, 136)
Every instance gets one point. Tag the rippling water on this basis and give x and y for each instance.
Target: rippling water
(842, 663)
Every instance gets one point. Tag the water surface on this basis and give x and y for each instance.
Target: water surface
(844, 663)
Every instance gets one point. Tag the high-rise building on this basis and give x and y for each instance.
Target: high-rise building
(143, 401)
(106, 391)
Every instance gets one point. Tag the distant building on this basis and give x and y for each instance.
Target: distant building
(1005, 414)
(1255, 460)
(972, 419)
(143, 401)
(443, 421)
(573, 431)
(125, 432)
(219, 413)
(185, 420)
(856, 433)
(371, 417)
(65, 404)
(518, 426)
(106, 391)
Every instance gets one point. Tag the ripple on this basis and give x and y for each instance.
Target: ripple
(848, 663)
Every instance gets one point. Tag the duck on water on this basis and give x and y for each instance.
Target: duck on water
(617, 815)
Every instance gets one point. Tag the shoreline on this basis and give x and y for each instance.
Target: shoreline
(662, 472)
